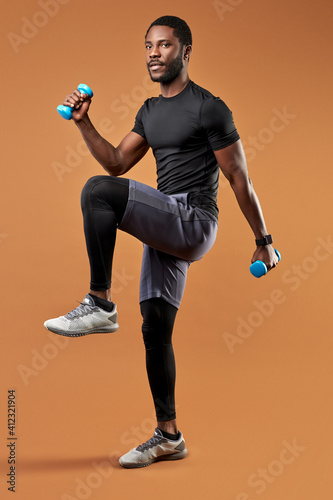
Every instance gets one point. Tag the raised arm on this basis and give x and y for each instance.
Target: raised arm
(232, 162)
(115, 160)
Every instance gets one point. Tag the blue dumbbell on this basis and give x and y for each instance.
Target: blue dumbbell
(66, 111)
(258, 268)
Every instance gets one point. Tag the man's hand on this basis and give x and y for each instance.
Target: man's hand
(267, 255)
(79, 104)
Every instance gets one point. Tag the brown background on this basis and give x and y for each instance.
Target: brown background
(243, 398)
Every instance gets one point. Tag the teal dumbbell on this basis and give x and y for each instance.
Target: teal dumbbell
(66, 111)
(258, 268)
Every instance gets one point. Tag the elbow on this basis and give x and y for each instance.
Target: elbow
(115, 167)
(114, 171)
(241, 183)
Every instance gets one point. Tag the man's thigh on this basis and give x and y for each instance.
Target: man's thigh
(162, 276)
(168, 223)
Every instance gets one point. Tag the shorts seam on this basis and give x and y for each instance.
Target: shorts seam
(127, 216)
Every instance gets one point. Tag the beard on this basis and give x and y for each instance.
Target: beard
(172, 71)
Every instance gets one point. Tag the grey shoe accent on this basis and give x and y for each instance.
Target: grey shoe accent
(181, 446)
(153, 441)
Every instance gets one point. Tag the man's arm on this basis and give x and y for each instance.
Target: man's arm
(115, 160)
(232, 162)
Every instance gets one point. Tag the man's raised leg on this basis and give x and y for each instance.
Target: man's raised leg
(103, 203)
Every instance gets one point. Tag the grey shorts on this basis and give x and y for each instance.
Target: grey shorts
(173, 234)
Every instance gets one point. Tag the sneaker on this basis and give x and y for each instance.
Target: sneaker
(85, 319)
(156, 448)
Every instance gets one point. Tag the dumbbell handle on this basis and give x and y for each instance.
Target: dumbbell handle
(258, 268)
(66, 111)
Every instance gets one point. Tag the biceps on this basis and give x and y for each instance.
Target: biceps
(131, 149)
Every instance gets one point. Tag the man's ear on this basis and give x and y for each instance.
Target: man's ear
(187, 52)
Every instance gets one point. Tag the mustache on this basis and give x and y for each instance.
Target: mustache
(153, 63)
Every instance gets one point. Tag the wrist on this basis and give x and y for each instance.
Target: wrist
(83, 122)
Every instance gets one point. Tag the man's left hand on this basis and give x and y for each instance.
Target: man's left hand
(267, 255)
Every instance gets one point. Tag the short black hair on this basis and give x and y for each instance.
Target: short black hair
(180, 28)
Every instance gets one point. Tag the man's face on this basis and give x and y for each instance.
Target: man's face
(164, 54)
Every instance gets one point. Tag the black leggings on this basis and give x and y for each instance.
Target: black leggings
(158, 320)
(103, 203)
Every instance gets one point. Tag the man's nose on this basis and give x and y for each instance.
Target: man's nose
(155, 52)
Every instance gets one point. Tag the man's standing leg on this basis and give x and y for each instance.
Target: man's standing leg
(162, 285)
(158, 322)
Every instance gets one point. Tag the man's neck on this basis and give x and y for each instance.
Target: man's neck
(175, 87)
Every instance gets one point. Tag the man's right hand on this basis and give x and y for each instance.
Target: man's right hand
(79, 104)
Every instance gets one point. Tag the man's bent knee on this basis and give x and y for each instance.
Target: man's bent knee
(89, 188)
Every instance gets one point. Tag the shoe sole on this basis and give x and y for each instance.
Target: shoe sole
(82, 334)
(172, 456)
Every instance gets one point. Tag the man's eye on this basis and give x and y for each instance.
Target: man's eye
(165, 44)
(148, 47)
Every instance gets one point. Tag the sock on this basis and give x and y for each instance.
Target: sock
(102, 303)
(172, 437)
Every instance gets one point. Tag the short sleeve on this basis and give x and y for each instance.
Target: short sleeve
(138, 126)
(218, 123)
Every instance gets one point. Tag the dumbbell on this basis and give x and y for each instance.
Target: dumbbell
(258, 268)
(66, 111)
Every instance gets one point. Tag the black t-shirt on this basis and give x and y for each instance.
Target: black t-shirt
(183, 132)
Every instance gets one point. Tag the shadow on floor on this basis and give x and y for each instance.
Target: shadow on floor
(46, 465)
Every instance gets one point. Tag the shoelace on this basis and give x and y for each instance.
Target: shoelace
(150, 443)
(79, 311)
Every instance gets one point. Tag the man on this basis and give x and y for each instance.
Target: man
(192, 135)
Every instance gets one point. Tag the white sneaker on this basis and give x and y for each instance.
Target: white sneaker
(85, 319)
(156, 448)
